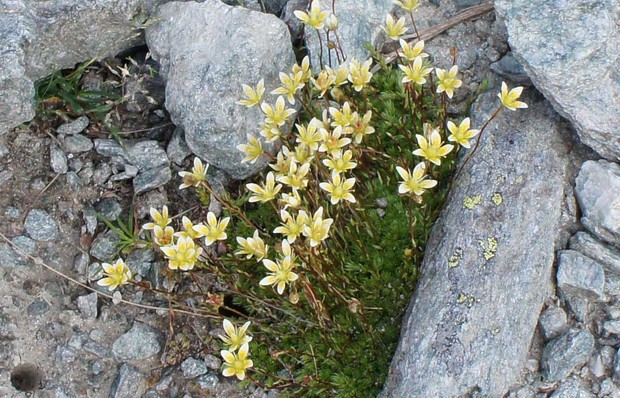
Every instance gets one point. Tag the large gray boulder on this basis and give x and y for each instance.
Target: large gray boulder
(483, 283)
(571, 51)
(207, 50)
(39, 37)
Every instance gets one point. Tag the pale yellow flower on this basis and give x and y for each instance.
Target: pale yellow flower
(341, 75)
(290, 85)
(291, 226)
(196, 176)
(236, 363)
(189, 229)
(415, 181)
(281, 272)
(214, 230)
(304, 68)
(333, 142)
(448, 80)
(410, 53)
(407, 5)
(362, 127)
(253, 149)
(283, 162)
(323, 81)
(116, 274)
(462, 134)
(265, 193)
(359, 74)
(308, 136)
(303, 154)
(394, 29)
(277, 115)
(432, 151)
(340, 162)
(253, 96)
(292, 200)
(182, 255)
(318, 230)
(296, 176)
(270, 131)
(315, 18)
(160, 219)
(342, 117)
(509, 98)
(163, 236)
(415, 72)
(339, 189)
(235, 338)
(331, 23)
(252, 247)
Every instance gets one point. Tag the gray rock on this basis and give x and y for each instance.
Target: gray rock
(66, 354)
(192, 368)
(38, 307)
(108, 147)
(581, 276)
(80, 263)
(510, 69)
(12, 213)
(177, 147)
(26, 244)
(102, 172)
(616, 367)
(145, 155)
(553, 323)
(609, 389)
(571, 389)
(140, 342)
(566, 353)
(58, 159)
(140, 260)
(9, 258)
(607, 256)
(151, 179)
(105, 246)
(41, 226)
(97, 349)
(213, 362)
(460, 4)
(74, 180)
(131, 171)
(109, 208)
(77, 143)
(90, 219)
(612, 326)
(579, 77)
(607, 356)
(205, 66)
(129, 383)
(597, 188)
(87, 305)
(74, 127)
(463, 328)
(357, 25)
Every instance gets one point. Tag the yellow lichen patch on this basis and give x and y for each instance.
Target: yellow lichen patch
(497, 199)
(495, 331)
(488, 248)
(465, 299)
(461, 298)
(453, 260)
(472, 201)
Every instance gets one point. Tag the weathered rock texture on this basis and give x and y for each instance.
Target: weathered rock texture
(206, 52)
(571, 51)
(482, 285)
(39, 37)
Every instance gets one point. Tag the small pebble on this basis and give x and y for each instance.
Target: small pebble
(74, 127)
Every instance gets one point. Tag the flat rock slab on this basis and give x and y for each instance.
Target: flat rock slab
(207, 51)
(571, 51)
(487, 271)
(597, 188)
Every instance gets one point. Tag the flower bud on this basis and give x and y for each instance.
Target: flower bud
(331, 23)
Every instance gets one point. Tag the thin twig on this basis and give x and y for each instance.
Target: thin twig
(39, 261)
